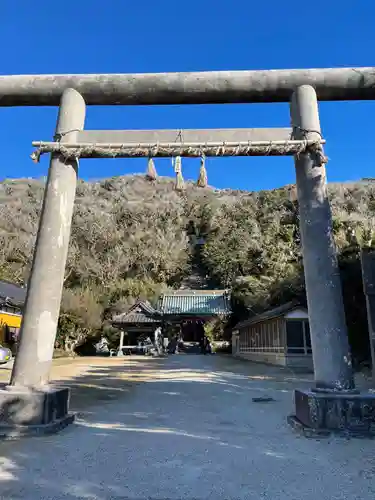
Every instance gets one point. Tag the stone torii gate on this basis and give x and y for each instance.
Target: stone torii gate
(30, 404)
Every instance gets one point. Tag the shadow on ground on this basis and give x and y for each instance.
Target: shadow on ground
(184, 427)
(105, 383)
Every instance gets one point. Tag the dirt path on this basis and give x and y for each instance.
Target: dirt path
(186, 427)
(94, 380)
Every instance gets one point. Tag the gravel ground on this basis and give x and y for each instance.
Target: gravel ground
(190, 430)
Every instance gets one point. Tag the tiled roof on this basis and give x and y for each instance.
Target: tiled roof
(135, 318)
(195, 302)
(272, 313)
(139, 313)
(12, 294)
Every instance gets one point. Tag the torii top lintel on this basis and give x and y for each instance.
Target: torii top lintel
(214, 87)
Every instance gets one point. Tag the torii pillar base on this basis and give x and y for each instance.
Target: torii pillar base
(320, 414)
(333, 405)
(33, 412)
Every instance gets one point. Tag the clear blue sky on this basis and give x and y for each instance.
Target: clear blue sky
(125, 36)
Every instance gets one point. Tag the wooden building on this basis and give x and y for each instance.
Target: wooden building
(12, 299)
(280, 336)
(191, 309)
(140, 320)
(184, 310)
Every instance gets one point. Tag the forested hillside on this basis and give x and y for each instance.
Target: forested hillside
(130, 239)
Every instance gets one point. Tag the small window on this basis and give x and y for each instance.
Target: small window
(268, 335)
(257, 340)
(263, 336)
(308, 337)
(252, 338)
(275, 334)
(294, 337)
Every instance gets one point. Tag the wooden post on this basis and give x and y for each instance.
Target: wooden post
(39, 324)
(330, 346)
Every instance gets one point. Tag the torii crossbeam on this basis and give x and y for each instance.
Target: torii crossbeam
(211, 87)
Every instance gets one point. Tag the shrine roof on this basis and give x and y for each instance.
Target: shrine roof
(140, 313)
(195, 303)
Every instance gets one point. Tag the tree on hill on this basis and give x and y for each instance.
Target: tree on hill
(132, 239)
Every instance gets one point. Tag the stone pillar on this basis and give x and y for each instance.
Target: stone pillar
(332, 405)
(330, 346)
(39, 324)
(235, 342)
(121, 343)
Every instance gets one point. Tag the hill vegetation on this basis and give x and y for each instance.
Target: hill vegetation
(131, 239)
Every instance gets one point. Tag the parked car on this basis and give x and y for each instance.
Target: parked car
(5, 355)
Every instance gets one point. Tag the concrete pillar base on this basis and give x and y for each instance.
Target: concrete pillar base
(31, 412)
(319, 414)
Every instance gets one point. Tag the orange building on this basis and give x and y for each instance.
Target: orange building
(12, 299)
